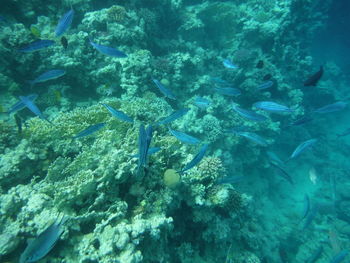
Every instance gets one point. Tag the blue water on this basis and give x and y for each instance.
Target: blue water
(266, 183)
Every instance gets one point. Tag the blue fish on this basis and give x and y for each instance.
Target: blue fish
(228, 64)
(231, 179)
(337, 106)
(109, 51)
(166, 92)
(90, 130)
(151, 150)
(271, 107)
(145, 137)
(183, 137)
(266, 85)
(174, 116)
(48, 75)
(64, 23)
(32, 107)
(248, 114)
(202, 103)
(251, 136)
(228, 91)
(302, 147)
(19, 105)
(43, 243)
(118, 114)
(199, 156)
(36, 45)
(339, 257)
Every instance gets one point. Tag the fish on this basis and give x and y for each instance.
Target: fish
(220, 82)
(228, 64)
(275, 159)
(109, 51)
(337, 106)
(174, 116)
(248, 114)
(32, 107)
(43, 243)
(118, 114)
(302, 147)
(344, 133)
(202, 103)
(313, 175)
(183, 137)
(306, 209)
(228, 91)
(252, 137)
(145, 137)
(310, 217)
(151, 150)
(260, 64)
(2, 19)
(339, 257)
(18, 121)
(64, 23)
(166, 92)
(35, 31)
(266, 85)
(271, 106)
(90, 130)
(19, 105)
(282, 172)
(313, 79)
(36, 45)
(315, 256)
(48, 75)
(64, 42)
(230, 179)
(301, 121)
(199, 156)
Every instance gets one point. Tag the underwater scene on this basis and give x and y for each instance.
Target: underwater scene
(174, 131)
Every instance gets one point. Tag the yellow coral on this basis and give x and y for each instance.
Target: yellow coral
(171, 178)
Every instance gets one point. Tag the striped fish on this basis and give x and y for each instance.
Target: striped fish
(174, 116)
(90, 130)
(36, 45)
(302, 147)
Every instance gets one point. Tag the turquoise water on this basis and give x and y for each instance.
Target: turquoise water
(174, 131)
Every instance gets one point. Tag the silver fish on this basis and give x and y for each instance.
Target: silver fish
(42, 244)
